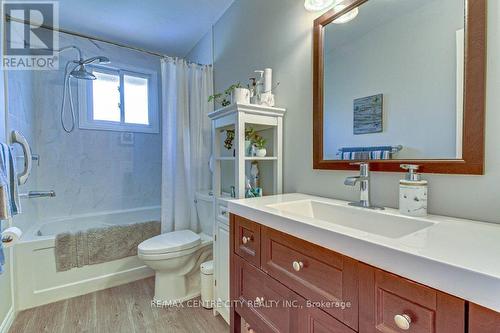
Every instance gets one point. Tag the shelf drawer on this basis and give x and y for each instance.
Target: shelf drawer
(247, 240)
(222, 213)
(265, 304)
(326, 278)
(389, 303)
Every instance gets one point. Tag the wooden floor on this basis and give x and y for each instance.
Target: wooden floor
(121, 309)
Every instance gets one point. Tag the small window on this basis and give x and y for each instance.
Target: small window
(119, 100)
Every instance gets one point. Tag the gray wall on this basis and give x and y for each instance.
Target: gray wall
(202, 51)
(410, 58)
(90, 170)
(254, 34)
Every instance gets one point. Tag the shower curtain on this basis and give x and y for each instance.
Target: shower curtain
(186, 140)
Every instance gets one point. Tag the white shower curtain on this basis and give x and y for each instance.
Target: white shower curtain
(186, 140)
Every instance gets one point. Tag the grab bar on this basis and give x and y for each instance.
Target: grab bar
(38, 194)
(17, 137)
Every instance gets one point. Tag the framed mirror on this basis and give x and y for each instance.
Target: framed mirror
(400, 81)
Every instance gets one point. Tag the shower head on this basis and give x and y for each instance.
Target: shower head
(81, 73)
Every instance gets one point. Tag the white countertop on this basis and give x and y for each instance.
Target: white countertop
(457, 256)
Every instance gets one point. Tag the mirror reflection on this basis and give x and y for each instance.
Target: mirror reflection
(393, 81)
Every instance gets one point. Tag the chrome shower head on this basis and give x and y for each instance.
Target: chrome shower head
(81, 73)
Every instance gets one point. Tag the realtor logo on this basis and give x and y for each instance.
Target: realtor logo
(30, 30)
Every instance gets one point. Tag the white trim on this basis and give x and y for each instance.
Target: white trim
(78, 288)
(85, 120)
(8, 320)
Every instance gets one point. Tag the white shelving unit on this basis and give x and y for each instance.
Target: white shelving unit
(231, 168)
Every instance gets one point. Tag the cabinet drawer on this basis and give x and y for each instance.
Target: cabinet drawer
(326, 278)
(388, 303)
(265, 304)
(247, 240)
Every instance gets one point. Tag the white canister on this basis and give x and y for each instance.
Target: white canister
(241, 95)
(412, 192)
(413, 198)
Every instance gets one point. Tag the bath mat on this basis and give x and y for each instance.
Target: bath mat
(100, 245)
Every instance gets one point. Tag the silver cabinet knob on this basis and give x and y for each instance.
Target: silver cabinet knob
(402, 321)
(246, 239)
(297, 265)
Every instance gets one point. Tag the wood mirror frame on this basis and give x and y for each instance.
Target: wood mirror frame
(472, 161)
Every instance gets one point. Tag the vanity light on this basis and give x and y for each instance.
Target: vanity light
(317, 5)
(349, 16)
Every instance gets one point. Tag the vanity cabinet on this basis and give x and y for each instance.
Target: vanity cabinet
(280, 283)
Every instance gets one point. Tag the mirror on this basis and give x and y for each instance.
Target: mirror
(394, 83)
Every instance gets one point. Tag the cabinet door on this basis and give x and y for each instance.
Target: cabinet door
(222, 268)
(389, 303)
(264, 303)
(482, 320)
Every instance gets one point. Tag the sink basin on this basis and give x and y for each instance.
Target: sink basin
(374, 222)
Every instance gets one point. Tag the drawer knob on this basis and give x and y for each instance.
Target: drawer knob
(246, 239)
(402, 321)
(297, 265)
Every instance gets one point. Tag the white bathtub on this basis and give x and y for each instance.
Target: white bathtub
(35, 267)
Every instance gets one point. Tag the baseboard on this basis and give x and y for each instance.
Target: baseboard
(7, 321)
(65, 291)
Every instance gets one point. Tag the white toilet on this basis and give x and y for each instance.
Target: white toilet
(176, 256)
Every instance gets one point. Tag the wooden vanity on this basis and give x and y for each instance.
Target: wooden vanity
(280, 283)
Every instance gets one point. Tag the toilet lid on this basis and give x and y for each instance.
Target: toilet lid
(170, 242)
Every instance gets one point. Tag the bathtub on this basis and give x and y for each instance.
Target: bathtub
(37, 281)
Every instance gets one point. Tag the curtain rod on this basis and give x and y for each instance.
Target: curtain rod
(77, 34)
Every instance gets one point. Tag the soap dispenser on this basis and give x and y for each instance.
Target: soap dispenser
(412, 192)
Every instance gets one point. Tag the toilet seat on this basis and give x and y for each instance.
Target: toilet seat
(170, 242)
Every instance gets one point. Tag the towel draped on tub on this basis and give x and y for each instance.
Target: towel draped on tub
(99, 245)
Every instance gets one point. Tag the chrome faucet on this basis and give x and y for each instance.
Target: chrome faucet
(364, 185)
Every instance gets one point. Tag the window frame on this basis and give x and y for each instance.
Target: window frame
(85, 94)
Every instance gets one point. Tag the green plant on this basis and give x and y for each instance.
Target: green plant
(224, 98)
(249, 133)
(228, 142)
(259, 142)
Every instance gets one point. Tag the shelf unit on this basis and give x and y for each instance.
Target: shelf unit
(231, 168)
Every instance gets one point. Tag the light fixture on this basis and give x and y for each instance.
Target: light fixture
(317, 5)
(349, 16)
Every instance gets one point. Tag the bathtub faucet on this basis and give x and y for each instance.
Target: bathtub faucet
(38, 194)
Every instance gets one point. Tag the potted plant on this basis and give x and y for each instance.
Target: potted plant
(235, 93)
(260, 146)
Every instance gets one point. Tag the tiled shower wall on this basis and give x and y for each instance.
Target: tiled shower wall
(91, 171)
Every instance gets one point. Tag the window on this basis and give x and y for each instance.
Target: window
(119, 100)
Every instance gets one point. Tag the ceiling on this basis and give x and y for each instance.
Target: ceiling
(164, 26)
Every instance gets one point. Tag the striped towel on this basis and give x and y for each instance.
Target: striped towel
(366, 153)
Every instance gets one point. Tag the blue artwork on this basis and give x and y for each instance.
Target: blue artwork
(368, 114)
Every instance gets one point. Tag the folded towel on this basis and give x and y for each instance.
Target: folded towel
(14, 195)
(5, 205)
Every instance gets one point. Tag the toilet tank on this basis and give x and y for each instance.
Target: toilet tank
(205, 211)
